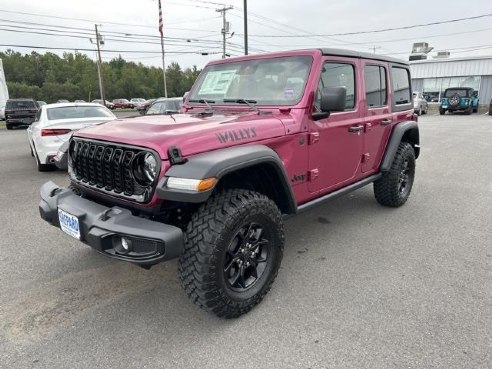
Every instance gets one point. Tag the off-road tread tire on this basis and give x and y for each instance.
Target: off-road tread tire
(197, 265)
(386, 188)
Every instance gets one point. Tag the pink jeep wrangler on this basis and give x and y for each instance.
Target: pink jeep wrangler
(263, 138)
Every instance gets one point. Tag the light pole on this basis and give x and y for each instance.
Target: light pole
(245, 19)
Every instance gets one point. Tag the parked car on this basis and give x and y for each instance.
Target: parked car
(459, 99)
(108, 104)
(55, 124)
(420, 105)
(122, 104)
(41, 103)
(62, 101)
(490, 107)
(165, 106)
(2, 113)
(137, 102)
(262, 138)
(143, 107)
(20, 112)
(79, 101)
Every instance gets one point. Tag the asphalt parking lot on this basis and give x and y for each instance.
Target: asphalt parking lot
(361, 286)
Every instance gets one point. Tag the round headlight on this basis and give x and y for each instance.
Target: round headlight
(150, 167)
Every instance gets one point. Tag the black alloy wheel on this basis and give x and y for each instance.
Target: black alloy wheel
(246, 257)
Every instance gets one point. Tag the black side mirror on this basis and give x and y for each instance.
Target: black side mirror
(331, 99)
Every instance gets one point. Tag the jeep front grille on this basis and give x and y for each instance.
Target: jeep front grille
(107, 167)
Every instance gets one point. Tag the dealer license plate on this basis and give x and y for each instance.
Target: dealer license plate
(69, 224)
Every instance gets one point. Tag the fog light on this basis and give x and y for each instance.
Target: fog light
(126, 243)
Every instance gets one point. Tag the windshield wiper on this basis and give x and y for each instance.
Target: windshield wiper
(204, 101)
(207, 102)
(250, 103)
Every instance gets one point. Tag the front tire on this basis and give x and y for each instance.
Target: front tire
(394, 187)
(9, 126)
(442, 111)
(233, 250)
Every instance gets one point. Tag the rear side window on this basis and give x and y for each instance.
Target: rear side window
(375, 80)
(338, 75)
(401, 86)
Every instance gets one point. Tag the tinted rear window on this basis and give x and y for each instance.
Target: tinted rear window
(20, 104)
(460, 92)
(74, 112)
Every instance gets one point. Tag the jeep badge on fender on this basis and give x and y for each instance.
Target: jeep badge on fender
(262, 138)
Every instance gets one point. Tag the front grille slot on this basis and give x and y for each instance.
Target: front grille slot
(107, 167)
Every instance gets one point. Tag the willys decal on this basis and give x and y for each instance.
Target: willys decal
(236, 135)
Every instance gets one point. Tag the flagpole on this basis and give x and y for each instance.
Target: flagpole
(161, 25)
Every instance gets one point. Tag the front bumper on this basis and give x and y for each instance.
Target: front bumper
(102, 228)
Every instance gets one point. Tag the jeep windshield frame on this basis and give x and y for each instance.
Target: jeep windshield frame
(275, 81)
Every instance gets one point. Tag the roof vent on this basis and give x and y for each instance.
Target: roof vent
(442, 55)
(420, 51)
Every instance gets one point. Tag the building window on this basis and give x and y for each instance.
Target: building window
(433, 88)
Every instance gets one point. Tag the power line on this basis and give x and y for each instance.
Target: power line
(380, 30)
(106, 51)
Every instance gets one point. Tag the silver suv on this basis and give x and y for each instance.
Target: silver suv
(419, 103)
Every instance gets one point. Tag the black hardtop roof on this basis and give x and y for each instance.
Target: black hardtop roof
(362, 55)
(459, 88)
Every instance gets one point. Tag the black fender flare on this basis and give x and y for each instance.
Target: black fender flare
(406, 131)
(219, 163)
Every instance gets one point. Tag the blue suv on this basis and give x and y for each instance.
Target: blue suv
(459, 99)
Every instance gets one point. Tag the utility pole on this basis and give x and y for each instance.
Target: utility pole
(374, 48)
(99, 41)
(245, 19)
(225, 28)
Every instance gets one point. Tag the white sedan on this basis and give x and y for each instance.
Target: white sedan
(55, 123)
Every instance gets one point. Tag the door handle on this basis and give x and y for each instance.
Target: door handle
(354, 129)
(385, 122)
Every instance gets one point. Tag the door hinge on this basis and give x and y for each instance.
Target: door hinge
(313, 138)
(313, 174)
(366, 157)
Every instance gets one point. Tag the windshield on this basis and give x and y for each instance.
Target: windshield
(74, 112)
(161, 107)
(460, 92)
(276, 81)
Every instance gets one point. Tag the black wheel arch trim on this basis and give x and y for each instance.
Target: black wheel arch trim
(406, 131)
(221, 162)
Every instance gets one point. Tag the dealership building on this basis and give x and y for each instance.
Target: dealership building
(433, 76)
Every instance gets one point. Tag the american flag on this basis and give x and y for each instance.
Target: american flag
(161, 23)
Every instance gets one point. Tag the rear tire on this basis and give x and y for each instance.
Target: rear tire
(442, 111)
(468, 111)
(233, 250)
(419, 113)
(394, 187)
(9, 126)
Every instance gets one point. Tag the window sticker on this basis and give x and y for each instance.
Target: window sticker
(217, 82)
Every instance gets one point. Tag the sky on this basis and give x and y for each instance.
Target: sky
(193, 27)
